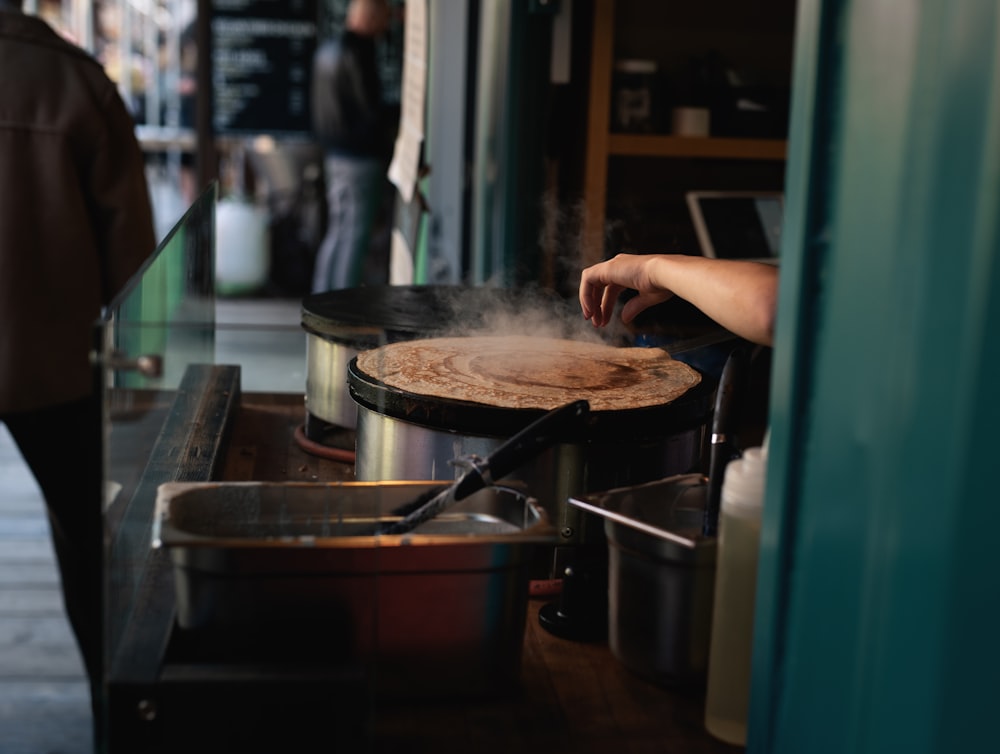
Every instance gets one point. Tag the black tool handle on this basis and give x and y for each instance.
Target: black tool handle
(522, 447)
(722, 446)
(519, 449)
(425, 512)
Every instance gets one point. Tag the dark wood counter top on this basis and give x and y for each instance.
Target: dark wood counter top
(574, 698)
(262, 445)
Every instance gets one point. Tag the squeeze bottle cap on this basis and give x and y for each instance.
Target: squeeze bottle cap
(743, 484)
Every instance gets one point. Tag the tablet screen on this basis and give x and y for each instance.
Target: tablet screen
(737, 225)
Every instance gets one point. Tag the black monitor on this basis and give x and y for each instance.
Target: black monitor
(738, 224)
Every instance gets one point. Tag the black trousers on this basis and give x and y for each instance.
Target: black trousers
(62, 447)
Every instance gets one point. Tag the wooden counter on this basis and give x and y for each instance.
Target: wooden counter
(262, 448)
(574, 697)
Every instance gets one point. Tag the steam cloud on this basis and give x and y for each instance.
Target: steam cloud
(485, 311)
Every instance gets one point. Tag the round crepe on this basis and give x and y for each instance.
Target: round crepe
(530, 372)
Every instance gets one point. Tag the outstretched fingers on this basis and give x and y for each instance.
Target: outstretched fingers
(597, 298)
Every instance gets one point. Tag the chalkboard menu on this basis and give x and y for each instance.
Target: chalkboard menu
(261, 65)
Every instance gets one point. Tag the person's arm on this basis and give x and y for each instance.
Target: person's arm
(741, 296)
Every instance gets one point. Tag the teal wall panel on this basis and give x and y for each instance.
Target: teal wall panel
(878, 606)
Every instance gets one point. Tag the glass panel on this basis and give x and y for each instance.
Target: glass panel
(162, 321)
(243, 360)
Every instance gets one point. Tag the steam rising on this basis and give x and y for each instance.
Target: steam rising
(534, 312)
(547, 309)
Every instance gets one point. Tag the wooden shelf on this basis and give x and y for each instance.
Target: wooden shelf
(641, 145)
(604, 147)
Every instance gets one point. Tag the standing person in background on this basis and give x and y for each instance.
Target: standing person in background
(349, 121)
(75, 225)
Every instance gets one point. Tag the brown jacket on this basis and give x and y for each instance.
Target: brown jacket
(75, 216)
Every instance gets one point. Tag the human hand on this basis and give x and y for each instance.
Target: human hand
(602, 283)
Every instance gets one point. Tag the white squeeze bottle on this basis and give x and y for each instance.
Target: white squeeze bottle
(742, 501)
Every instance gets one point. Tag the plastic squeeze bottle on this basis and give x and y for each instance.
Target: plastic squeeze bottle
(742, 501)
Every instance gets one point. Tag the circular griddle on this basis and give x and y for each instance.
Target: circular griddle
(480, 417)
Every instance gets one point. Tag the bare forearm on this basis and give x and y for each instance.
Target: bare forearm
(740, 296)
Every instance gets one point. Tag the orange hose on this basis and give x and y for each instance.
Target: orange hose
(320, 450)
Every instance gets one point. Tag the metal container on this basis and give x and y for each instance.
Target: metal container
(261, 568)
(341, 323)
(661, 577)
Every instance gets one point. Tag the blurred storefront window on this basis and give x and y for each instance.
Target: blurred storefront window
(148, 48)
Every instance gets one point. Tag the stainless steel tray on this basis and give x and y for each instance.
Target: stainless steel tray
(440, 610)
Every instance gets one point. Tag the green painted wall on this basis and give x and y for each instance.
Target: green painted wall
(878, 610)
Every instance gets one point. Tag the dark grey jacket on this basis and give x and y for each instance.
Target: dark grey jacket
(347, 109)
(75, 216)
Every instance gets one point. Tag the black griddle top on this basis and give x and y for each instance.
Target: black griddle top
(401, 308)
(368, 316)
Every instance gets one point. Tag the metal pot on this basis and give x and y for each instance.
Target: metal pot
(403, 435)
(661, 577)
(662, 554)
(341, 323)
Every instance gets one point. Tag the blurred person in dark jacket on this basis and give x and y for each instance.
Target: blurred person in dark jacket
(350, 122)
(75, 225)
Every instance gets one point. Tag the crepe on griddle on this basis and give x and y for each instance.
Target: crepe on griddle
(525, 372)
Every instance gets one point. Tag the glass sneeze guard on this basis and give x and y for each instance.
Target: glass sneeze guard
(162, 321)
